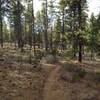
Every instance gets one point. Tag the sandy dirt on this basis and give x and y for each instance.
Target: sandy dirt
(24, 81)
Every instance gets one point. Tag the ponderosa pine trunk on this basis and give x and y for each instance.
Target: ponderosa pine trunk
(1, 32)
(63, 28)
(1, 25)
(80, 52)
(33, 30)
(79, 37)
(46, 26)
(51, 44)
(18, 26)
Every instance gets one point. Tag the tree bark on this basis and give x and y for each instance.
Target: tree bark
(33, 27)
(79, 37)
(63, 27)
(1, 32)
(80, 52)
(1, 25)
(46, 26)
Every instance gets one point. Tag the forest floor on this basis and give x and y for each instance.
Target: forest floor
(64, 80)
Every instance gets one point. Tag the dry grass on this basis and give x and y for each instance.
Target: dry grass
(20, 80)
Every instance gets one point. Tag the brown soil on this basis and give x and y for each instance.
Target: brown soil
(23, 81)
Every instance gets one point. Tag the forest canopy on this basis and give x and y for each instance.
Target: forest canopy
(58, 26)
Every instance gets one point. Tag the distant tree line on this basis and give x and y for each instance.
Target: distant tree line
(58, 25)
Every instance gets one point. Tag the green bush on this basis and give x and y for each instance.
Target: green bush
(66, 53)
(33, 60)
(39, 54)
(97, 76)
(52, 52)
(75, 70)
(75, 76)
(78, 74)
(81, 72)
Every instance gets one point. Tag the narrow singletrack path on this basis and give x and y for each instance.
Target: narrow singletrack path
(53, 89)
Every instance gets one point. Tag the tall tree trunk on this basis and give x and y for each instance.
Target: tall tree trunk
(79, 37)
(1, 25)
(19, 27)
(46, 26)
(80, 52)
(51, 44)
(63, 28)
(30, 35)
(30, 38)
(33, 31)
(91, 54)
(1, 32)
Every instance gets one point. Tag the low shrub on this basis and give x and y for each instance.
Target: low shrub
(81, 72)
(75, 76)
(39, 54)
(75, 71)
(97, 76)
(66, 53)
(53, 52)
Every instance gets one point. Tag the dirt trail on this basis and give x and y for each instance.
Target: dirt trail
(49, 84)
(56, 89)
(53, 89)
